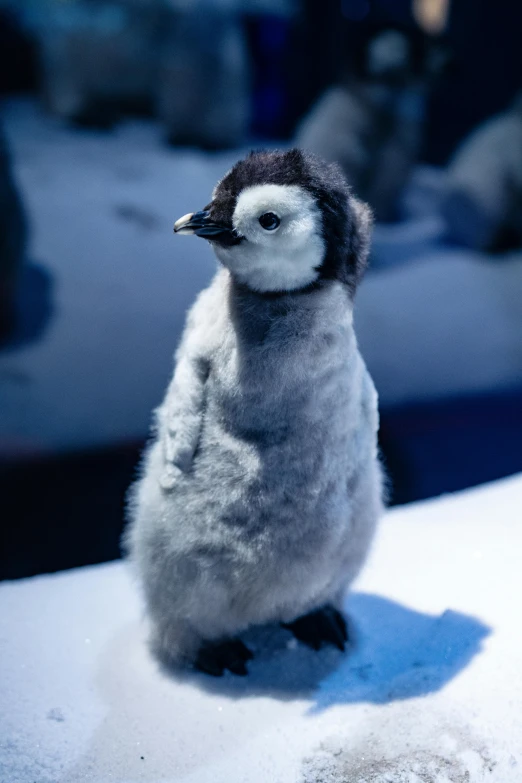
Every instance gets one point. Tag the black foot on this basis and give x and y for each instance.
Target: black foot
(214, 658)
(324, 626)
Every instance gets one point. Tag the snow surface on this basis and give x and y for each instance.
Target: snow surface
(431, 691)
(432, 321)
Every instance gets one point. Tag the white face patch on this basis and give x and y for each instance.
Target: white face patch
(285, 258)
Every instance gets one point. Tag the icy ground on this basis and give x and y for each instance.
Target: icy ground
(432, 321)
(431, 691)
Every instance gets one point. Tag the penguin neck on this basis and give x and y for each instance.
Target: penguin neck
(254, 313)
(270, 305)
(273, 299)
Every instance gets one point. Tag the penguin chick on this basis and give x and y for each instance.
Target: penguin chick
(261, 489)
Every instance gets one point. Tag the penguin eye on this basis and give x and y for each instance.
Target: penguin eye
(269, 221)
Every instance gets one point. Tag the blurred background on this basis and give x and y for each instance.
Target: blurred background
(118, 116)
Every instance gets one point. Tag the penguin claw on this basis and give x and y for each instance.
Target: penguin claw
(215, 658)
(323, 626)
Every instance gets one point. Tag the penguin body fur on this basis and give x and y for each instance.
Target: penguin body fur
(261, 488)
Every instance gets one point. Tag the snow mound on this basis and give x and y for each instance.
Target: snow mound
(384, 754)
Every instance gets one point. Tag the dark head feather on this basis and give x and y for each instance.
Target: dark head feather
(346, 222)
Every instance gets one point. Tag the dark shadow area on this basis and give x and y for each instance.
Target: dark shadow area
(484, 40)
(396, 653)
(19, 62)
(33, 306)
(444, 446)
(64, 511)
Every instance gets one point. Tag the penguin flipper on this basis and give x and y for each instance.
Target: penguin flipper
(181, 417)
(322, 626)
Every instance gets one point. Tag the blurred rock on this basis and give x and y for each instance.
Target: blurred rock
(185, 60)
(12, 242)
(99, 57)
(203, 84)
(483, 204)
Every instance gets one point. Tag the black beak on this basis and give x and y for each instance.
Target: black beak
(200, 224)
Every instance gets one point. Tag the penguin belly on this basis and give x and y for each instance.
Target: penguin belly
(260, 527)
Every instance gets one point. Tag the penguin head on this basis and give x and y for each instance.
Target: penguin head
(285, 221)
